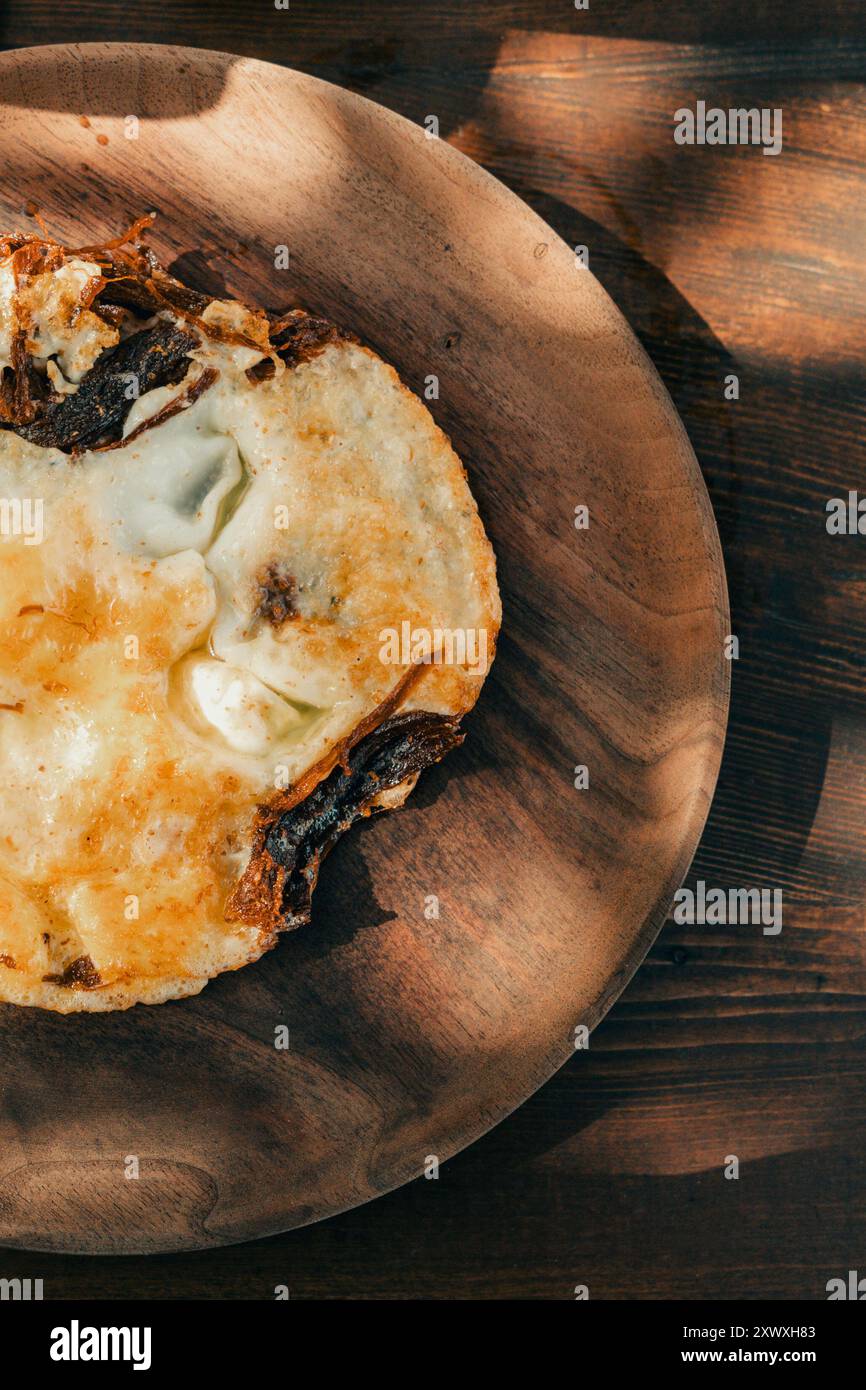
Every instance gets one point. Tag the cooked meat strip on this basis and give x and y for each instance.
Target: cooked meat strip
(96, 413)
(277, 887)
(298, 336)
(147, 294)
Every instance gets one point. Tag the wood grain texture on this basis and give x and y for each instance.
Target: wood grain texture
(723, 261)
(410, 1036)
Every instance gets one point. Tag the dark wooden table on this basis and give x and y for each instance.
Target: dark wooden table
(728, 1042)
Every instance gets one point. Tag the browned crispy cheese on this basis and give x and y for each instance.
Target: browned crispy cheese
(132, 280)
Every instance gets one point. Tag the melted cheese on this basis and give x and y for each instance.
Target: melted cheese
(149, 703)
(232, 703)
(48, 306)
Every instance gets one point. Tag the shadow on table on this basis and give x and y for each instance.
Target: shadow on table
(415, 58)
(793, 630)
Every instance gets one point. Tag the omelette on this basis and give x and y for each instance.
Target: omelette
(245, 599)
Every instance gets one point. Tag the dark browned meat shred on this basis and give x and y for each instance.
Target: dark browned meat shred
(156, 356)
(80, 973)
(277, 593)
(301, 838)
(299, 336)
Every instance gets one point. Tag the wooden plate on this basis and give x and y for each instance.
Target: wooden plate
(458, 944)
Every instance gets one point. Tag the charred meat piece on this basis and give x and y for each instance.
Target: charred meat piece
(96, 413)
(298, 336)
(261, 371)
(23, 391)
(147, 294)
(80, 973)
(277, 887)
(277, 594)
(302, 837)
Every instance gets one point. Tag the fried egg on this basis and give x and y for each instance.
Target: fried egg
(247, 612)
